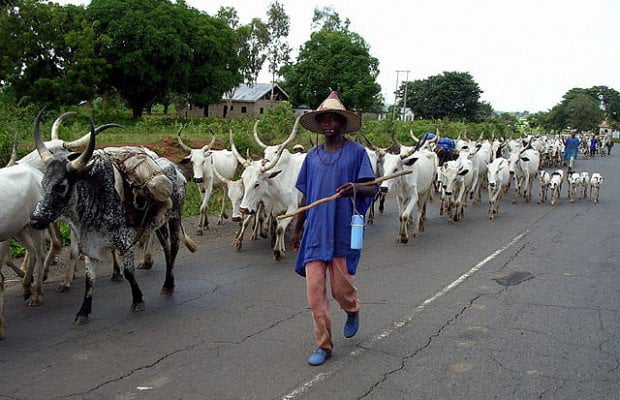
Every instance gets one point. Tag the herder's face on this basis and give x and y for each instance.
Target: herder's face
(331, 123)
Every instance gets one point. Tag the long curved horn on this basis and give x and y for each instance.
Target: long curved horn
(208, 146)
(233, 148)
(394, 140)
(83, 159)
(45, 154)
(84, 140)
(492, 136)
(415, 148)
(292, 135)
(54, 134)
(273, 162)
(256, 138)
(219, 176)
(13, 158)
(460, 135)
(465, 135)
(480, 137)
(310, 137)
(414, 137)
(371, 144)
(180, 141)
(436, 131)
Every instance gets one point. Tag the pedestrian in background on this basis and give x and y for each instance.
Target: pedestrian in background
(571, 146)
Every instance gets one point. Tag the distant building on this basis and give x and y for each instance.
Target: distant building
(604, 128)
(246, 102)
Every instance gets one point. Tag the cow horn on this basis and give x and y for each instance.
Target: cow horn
(415, 148)
(13, 158)
(492, 136)
(414, 137)
(436, 131)
(256, 138)
(310, 137)
(393, 135)
(45, 154)
(54, 134)
(86, 138)
(460, 135)
(465, 135)
(292, 135)
(371, 144)
(208, 146)
(480, 137)
(269, 165)
(233, 148)
(180, 141)
(219, 176)
(83, 159)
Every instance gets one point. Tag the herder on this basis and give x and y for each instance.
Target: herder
(571, 147)
(335, 166)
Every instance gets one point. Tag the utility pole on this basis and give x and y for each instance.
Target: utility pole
(405, 97)
(395, 95)
(397, 82)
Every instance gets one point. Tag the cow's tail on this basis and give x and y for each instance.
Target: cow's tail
(187, 241)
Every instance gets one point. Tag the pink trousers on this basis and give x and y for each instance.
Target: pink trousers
(343, 292)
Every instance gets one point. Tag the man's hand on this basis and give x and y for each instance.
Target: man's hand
(296, 240)
(347, 189)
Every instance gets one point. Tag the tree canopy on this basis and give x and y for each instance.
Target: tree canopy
(584, 109)
(334, 59)
(454, 95)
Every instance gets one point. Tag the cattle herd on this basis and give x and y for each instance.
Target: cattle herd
(116, 200)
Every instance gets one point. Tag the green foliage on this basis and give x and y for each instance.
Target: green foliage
(252, 41)
(278, 26)
(581, 109)
(337, 60)
(452, 95)
(50, 58)
(327, 19)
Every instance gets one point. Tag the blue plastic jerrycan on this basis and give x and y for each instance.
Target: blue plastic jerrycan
(357, 231)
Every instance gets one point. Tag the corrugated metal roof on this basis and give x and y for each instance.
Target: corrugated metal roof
(252, 93)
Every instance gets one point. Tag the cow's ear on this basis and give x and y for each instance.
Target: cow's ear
(273, 174)
(525, 159)
(409, 163)
(185, 160)
(463, 172)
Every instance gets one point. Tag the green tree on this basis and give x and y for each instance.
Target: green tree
(584, 113)
(229, 15)
(157, 47)
(327, 19)
(334, 60)
(278, 51)
(47, 53)
(453, 95)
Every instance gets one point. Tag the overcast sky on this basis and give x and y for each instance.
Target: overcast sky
(524, 54)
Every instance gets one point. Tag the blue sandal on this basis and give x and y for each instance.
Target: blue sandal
(319, 357)
(351, 326)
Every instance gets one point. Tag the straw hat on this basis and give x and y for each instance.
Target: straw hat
(331, 104)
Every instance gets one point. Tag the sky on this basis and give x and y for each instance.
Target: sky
(524, 54)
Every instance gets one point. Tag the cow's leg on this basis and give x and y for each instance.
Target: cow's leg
(55, 247)
(257, 222)
(89, 281)
(74, 255)
(26, 241)
(5, 257)
(238, 241)
(405, 217)
(419, 223)
(203, 222)
(137, 303)
(163, 234)
(38, 241)
(381, 202)
(147, 259)
(279, 250)
(2, 319)
(223, 215)
(116, 267)
(371, 213)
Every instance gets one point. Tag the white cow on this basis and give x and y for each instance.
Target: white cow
(596, 181)
(458, 178)
(524, 166)
(585, 182)
(574, 181)
(544, 180)
(498, 176)
(272, 186)
(480, 160)
(557, 177)
(412, 190)
(202, 161)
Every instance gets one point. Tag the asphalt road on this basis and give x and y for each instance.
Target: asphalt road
(524, 307)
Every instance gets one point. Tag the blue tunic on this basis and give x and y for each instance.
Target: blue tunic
(327, 233)
(447, 144)
(570, 148)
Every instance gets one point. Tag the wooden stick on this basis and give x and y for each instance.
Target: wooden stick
(338, 195)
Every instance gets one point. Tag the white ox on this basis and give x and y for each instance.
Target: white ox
(480, 159)
(585, 182)
(544, 180)
(202, 161)
(574, 181)
(524, 167)
(498, 176)
(595, 186)
(412, 190)
(274, 187)
(557, 177)
(458, 178)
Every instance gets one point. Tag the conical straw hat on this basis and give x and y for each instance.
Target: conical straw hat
(331, 104)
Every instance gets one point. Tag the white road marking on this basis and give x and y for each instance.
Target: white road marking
(397, 325)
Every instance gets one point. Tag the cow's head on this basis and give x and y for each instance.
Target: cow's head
(235, 193)
(495, 171)
(454, 174)
(60, 175)
(198, 157)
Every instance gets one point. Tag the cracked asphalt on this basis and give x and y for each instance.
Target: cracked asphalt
(538, 320)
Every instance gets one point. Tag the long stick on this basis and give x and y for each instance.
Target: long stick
(338, 195)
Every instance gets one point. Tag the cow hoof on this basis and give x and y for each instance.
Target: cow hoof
(253, 238)
(167, 291)
(263, 235)
(137, 306)
(34, 303)
(145, 265)
(26, 294)
(117, 277)
(370, 222)
(62, 289)
(514, 202)
(81, 320)
(403, 240)
(278, 255)
(199, 232)
(236, 245)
